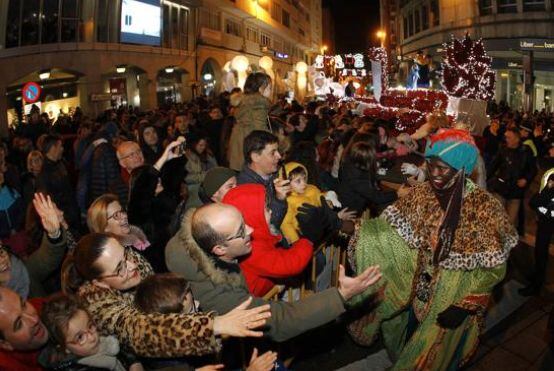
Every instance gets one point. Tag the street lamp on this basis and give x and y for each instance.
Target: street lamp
(381, 35)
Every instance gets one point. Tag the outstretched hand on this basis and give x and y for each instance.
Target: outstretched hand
(240, 321)
(265, 362)
(352, 286)
(48, 213)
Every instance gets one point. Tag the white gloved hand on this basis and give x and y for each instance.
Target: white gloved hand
(409, 169)
(332, 197)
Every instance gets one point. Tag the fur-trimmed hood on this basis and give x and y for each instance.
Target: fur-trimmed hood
(183, 244)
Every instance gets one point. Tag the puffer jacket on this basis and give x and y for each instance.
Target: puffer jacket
(148, 335)
(222, 291)
(251, 115)
(266, 263)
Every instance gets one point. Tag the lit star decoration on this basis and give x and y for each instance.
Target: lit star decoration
(467, 70)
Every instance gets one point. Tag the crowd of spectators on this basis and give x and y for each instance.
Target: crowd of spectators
(232, 195)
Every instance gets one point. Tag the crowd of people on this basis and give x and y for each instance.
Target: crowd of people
(146, 240)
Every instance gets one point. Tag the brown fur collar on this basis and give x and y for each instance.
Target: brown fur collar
(205, 263)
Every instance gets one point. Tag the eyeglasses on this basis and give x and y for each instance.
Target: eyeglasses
(241, 233)
(81, 337)
(121, 269)
(118, 215)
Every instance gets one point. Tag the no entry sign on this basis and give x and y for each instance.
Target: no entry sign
(31, 92)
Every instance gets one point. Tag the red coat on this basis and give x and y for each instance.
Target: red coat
(266, 263)
(22, 361)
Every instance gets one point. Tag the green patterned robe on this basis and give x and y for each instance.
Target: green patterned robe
(399, 241)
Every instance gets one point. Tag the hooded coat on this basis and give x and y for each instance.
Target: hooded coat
(222, 291)
(266, 263)
(312, 196)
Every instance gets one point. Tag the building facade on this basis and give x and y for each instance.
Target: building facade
(518, 34)
(81, 52)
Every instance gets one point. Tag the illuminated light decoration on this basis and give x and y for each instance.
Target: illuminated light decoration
(380, 55)
(208, 76)
(64, 94)
(240, 63)
(44, 75)
(301, 67)
(318, 63)
(354, 73)
(120, 69)
(339, 64)
(281, 55)
(359, 61)
(266, 62)
(169, 69)
(466, 71)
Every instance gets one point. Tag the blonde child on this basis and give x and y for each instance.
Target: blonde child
(304, 193)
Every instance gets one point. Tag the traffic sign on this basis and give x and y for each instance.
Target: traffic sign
(31, 92)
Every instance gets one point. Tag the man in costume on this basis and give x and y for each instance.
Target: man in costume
(441, 249)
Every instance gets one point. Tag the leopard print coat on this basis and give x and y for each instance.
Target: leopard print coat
(484, 236)
(149, 335)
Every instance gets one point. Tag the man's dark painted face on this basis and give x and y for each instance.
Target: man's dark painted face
(440, 173)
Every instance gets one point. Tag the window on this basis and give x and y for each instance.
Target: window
(166, 24)
(29, 22)
(507, 6)
(410, 24)
(424, 17)
(232, 27)
(485, 7)
(12, 27)
(184, 35)
(417, 22)
(286, 18)
(435, 12)
(209, 20)
(175, 31)
(102, 21)
(533, 5)
(276, 11)
(175, 27)
(405, 28)
(252, 34)
(265, 39)
(49, 31)
(301, 32)
(70, 20)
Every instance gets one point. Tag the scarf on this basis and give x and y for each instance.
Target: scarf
(450, 199)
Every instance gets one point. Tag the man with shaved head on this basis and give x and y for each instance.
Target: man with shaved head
(206, 251)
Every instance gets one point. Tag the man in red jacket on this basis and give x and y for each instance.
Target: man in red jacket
(266, 263)
(22, 333)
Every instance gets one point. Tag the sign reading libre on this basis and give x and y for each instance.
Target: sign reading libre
(31, 92)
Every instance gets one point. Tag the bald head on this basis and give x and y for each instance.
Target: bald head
(130, 155)
(220, 230)
(210, 222)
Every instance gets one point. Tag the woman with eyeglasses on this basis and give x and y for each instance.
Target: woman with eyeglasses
(103, 275)
(106, 215)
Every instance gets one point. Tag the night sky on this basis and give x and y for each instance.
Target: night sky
(356, 23)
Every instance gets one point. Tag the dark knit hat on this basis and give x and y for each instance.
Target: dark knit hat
(215, 178)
